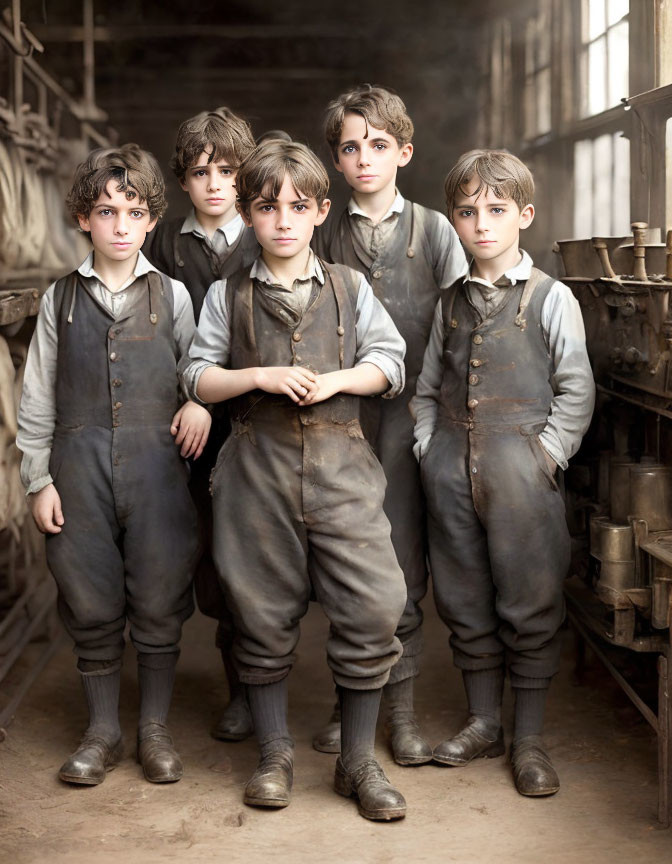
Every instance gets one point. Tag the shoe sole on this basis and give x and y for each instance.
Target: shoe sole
(373, 815)
(407, 761)
(490, 753)
(326, 748)
(275, 803)
(230, 736)
(545, 793)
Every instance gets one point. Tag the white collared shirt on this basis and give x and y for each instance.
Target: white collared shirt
(224, 236)
(37, 411)
(374, 236)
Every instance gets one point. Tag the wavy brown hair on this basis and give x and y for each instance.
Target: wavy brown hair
(220, 133)
(379, 107)
(498, 170)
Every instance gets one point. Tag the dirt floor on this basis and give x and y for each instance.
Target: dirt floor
(605, 755)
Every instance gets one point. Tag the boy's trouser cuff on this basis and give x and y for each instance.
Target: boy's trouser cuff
(408, 665)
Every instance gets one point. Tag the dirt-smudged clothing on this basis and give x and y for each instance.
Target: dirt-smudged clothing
(413, 261)
(298, 491)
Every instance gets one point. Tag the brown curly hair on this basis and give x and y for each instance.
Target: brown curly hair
(263, 172)
(379, 107)
(498, 170)
(220, 133)
(135, 171)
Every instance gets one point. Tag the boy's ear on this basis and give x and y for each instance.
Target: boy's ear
(152, 224)
(405, 154)
(337, 164)
(323, 211)
(526, 216)
(183, 184)
(83, 222)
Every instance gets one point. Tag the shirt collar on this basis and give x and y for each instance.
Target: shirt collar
(396, 207)
(520, 272)
(142, 266)
(261, 271)
(231, 230)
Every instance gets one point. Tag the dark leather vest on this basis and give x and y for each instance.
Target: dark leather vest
(116, 372)
(496, 371)
(324, 340)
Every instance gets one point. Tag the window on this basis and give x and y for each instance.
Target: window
(602, 186)
(538, 72)
(604, 54)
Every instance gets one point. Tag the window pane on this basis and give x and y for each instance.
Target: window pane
(621, 186)
(544, 101)
(530, 38)
(617, 44)
(530, 109)
(544, 34)
(597, 90)
(616, 9)
(602, 185)
(596, 18)
(583, 189)
(668, 172)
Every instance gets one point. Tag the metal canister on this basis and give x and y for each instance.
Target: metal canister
(619, 489)
(651, 495)
(614, 546)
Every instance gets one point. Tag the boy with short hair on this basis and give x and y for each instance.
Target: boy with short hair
(409, 254)
(292, 343)
(505, 395)
(105, 481)
(210, 244)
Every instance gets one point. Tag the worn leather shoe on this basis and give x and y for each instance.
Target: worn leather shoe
(478, 739)
(408, 745)
(235, 724)
(377, 798)
(271, 783)
(159, 759)
(533, 771)
(328, 739)
(89, 763)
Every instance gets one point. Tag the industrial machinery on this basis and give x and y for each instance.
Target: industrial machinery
(619, 490)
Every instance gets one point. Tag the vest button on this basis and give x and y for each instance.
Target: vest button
(477, 339)
(118, 404)
(116, 382)
(113, 356)
(411, 253)
(473, 380)
(110, 335)
(340, 330)
(117, 331)
(472, 403)
(474, 470)
(296, 336)
(453, 323)
(476, 363)
(377, 274)
(297, 358)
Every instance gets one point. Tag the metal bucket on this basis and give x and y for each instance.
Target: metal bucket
(614, 546)
(651, 495)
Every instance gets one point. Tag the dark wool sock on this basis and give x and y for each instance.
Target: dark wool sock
(484, 693)
(530, 706)
(156, 676)
(102, 697)
(399, 697)
(359, 713)
(268, 706)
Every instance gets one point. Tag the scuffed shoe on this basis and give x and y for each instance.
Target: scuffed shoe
(328, 739)
(478, 739)
(271, 783)
(90, 762)
(533, 771)
(408, 745)
(235, 724)
(377, 798)
(159, 759)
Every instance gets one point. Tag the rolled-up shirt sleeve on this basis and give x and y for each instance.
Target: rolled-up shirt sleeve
(37, 410)
(378, 340)
(572, 378)
(212, 340)
(425, 404)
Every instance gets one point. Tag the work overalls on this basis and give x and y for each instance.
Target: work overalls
(129, 541)
(298, 497)
(498, 538)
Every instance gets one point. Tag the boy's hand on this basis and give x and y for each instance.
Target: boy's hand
(326, 386)
(550, 461)
(191, 426)
(294, 381)
(45, 507)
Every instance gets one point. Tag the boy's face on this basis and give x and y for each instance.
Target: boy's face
(369, 164)
(284, 226)
(488, 226)
(118, 223)
(211, 187)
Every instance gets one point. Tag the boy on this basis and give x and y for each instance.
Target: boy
(408, 253)
(297, 491)
(211, 243)
(505, 395)
(105, 481)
